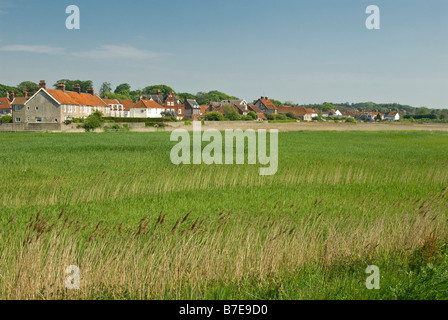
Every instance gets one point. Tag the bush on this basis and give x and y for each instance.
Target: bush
(7, 119)
(93, 121)
(252, 115)
(188, 122)
(350, 120)
(155, 124)
(214, 116)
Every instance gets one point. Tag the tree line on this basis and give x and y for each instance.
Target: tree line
(125, 92)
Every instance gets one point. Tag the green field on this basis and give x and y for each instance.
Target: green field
(140, 227)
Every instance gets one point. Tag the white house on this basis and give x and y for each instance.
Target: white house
(393, 115)
(146, 109)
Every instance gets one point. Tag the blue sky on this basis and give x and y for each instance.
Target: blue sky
(301, 51)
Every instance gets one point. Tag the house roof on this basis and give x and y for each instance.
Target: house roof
(254, 108)
(392, 114)
(143, 104)
(268, 103)
(204, 108)
(111, 101)
(193, 104)
(298, 111)
(74, 98)
(4, 103)
(19, 101)
(127, 104)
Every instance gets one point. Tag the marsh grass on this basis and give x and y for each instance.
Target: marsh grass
(139, 227)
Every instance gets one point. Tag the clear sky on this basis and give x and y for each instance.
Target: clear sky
(305, 51)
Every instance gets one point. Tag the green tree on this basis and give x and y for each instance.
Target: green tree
(214, 116)
(93, 121)
(123, 88)
(165, 90)
(277, 102)
(29, 86)
(6, 119)
(230, 113)
(252, 115)
(422, 111)
(70, 84)
(105, 88)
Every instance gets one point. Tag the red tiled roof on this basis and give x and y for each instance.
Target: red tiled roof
(74, 98)
(127, 104)
(147, 104)
(204, 109)
(254, 108)
(268, 103)
(4, 103)
(299, 111)
(111, 101)
(392, 114)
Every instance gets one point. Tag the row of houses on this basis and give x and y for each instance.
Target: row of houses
(60, 105)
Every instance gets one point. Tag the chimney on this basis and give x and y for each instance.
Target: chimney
(42, 84)
(159, 92)
(12, 96)
(90, 91)
(7, 95)
(25, 94)
(61, 86)
(77, 88)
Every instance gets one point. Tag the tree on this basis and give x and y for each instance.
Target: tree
(123, 88)
(165, 90)
(230, 113)
(291, 115)
(70, 84)
(93, 121)
(378, 117)
(6, 119)
(29, 86)
(203, 98)
(214, 116)
(252, 115)
(422, 111)
(105, 88)
(277, 102)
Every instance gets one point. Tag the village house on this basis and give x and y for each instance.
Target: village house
(192, 109)
(116, 108)
(392, 115)
(300, 113)
(57, 105)
(331, 113)
(5, 105)
(266, 105)
(127, 105)
(146, 109)
(170, 102)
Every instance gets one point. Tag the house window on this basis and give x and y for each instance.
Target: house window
(38, 119)
(37, 108)
(180, 111)
(28, 119)
(17, 108)
(74, 109)
(27, 108)
(17, 119)
(55, 120)
(65, 108)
